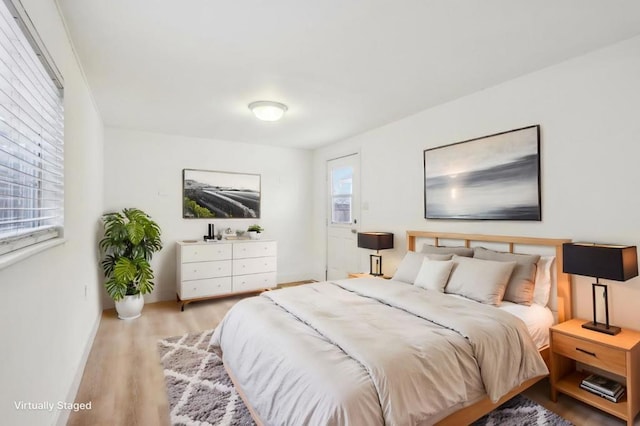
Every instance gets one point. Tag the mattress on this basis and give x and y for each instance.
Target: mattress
(537, 318)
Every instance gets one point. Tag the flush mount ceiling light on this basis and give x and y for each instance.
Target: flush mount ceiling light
(268, 110)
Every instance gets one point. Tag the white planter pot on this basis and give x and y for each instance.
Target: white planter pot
(130, 307)
(254, 235)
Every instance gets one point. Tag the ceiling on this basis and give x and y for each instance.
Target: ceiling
(343, 67)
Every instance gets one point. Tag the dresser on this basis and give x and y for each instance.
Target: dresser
(207, 270)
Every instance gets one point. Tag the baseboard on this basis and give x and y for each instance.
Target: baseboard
(63, 415)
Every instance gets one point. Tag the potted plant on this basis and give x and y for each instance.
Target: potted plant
(254, 231)
(130, 239)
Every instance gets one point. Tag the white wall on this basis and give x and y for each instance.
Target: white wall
(144, 170)
(47, 321)
(588, 109)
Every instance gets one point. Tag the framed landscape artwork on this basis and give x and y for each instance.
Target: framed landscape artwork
(224, 195)
(494, 177)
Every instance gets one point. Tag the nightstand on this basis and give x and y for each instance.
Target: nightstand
(360, 275)
(618, 355)
(365, 275)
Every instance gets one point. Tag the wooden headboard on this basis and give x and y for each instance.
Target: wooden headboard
(562, 280)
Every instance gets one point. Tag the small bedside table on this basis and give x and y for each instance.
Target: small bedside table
(365, 275)
(360, 275)
(619, 355)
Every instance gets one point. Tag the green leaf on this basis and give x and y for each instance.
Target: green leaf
(116, 290)
(135, 232)
(125, 270)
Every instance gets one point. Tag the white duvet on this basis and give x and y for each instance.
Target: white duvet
(370, 352)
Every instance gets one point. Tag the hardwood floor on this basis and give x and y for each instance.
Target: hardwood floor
(124, 381)
(123, 378)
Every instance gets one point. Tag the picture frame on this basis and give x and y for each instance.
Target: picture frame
(208, 194)
(494, 177)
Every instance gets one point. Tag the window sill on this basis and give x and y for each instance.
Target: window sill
(19, 255)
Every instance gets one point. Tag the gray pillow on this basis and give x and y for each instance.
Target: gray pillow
(410, 265)
(481, 280)
(520, 287)
(436, 256)
(459, 251)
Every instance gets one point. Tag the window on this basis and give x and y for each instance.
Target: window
(341, 195)
(31, 135)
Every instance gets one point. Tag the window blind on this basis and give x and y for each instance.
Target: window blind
(31, 135)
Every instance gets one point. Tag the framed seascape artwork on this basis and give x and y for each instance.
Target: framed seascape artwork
(224, 195)
(495, 177)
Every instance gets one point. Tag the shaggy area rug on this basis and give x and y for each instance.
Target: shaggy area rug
(200, 391)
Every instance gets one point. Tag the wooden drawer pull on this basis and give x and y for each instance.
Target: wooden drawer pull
(586, 352)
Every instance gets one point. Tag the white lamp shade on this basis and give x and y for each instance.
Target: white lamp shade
(268, 110)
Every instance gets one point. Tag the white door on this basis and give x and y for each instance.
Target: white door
(343, 181)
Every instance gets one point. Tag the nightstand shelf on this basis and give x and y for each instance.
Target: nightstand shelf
(570, 385)
(618, 355)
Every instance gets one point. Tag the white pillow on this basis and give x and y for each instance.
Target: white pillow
(543, 280)
(481, 280)
(433, 274)
(410, 266)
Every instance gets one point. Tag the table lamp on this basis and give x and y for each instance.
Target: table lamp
(607, 261)
(375, 241)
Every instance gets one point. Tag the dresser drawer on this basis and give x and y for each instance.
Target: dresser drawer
(254, 282)
(254, 265)
(200, 270)
(590, 353)
(204, 252)
(254, 249)
(202, 288)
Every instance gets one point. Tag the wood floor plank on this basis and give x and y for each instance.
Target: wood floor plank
(124, 381)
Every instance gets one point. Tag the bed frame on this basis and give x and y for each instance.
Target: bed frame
(562, 300)
(474, 411)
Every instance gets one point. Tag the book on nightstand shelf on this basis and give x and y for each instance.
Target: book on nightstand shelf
(601, 386)
(614, 398)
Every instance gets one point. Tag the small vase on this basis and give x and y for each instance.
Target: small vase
(254, 235)
(130, 307)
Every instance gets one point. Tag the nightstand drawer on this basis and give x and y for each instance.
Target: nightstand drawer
(590, 353)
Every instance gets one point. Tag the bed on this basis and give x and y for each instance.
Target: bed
(371, 351)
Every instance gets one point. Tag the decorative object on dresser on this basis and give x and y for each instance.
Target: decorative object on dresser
(211, 270)
(223, 195)
(254, 231)
(375, 241)
(608, 261)
(574, 347)
(494, 177)
(211, 235)
(130, 239)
